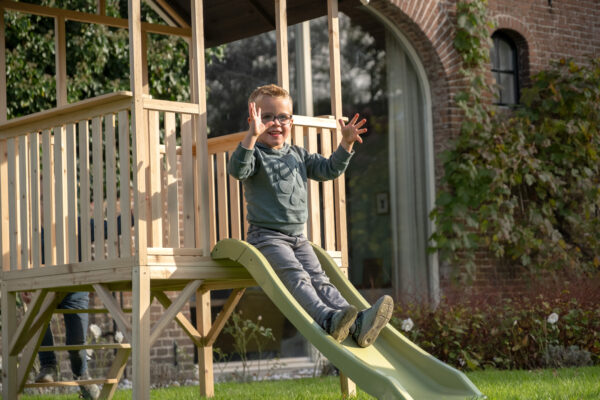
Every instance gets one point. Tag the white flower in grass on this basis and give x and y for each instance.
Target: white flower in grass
(552, 318)
(407, 325)
(96, 331)
(118, 336)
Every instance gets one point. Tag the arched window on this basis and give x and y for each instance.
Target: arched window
(505, 69)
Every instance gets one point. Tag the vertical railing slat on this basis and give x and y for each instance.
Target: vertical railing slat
(84, 190)
(298, 140)
(212, 202)
(48, 199)
(59, 193)
(13, 190)
(98, 183)
(187, 169)
(24, 200)
(71, 154)
(5, 215)
(36, 234)
(234, 207)
(314, 208)
(172, 193)
(222, 195)
(124, 194)
(155, 199)
(328, 211)
(244, 212)
(111, 186)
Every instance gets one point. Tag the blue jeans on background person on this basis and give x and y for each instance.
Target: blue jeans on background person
(76, 326)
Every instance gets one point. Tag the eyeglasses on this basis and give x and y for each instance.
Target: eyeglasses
(284, 119)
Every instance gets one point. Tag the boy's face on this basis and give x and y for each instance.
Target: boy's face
(277, 133)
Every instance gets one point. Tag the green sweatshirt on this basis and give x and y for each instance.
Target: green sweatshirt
(275, 182)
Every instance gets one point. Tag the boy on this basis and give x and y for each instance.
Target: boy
(274, 175)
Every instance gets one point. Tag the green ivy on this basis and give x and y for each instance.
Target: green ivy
(522, 184)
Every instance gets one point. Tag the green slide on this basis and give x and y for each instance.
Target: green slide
(392, 368)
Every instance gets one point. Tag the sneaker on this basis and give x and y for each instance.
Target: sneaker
(89, 392)
(340, 323)
(372, 320)
(47, 374)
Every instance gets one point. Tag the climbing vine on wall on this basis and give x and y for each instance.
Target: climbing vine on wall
(522, 184)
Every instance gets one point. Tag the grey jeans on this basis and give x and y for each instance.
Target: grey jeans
(296, 264)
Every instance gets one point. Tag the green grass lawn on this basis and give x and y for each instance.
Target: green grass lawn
(560, 384)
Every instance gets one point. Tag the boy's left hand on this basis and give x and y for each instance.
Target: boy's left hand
(351, 132)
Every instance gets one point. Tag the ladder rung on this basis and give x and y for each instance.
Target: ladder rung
(94, 346)
(72, 383)
(86, 310)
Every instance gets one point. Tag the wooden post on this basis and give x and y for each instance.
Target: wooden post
(347, 386)
(205, 356)
(141, 332)
(60, 48)
(283, 72)
(140, 136)
(9, 327)
(304, 70)
(4, 231)
(3, 99)
(336, 111)
(101, 4)
(200, 126)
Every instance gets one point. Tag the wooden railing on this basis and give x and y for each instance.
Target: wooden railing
(60, 198)
(67, 193)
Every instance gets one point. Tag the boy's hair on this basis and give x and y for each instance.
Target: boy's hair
(270, 90)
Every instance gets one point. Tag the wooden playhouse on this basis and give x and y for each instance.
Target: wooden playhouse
(102, 158)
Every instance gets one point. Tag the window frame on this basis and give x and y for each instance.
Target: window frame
(514, 71)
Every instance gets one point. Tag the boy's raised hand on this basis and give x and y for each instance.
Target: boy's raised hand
(256, 126)
(352, 131)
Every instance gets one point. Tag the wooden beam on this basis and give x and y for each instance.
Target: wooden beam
(336, 111)
(283, 71)
(232, 301)
(114, 373)
(3, 98)
(115, 310)
(263, 13)
(173, 310)
(347, 386)
(91, 18)
(139, 133)
(101, 7)
(9, 327)
(200, 128)
(19, 339)
(304, 102)
(141, 322)
(4, 208)
(81, 110)
(60, 50)
(36, 334)
(183, 322)
(205, 353)
(170, 13)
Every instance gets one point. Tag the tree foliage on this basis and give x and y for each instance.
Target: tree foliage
(97, 58)
(525, 184)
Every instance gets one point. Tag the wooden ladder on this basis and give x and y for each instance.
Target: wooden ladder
(113, 376)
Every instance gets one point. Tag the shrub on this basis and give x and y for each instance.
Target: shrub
(556, 325)
(523, 184)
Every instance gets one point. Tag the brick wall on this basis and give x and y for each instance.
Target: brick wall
(541, 31)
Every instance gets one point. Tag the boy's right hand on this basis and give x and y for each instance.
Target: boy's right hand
(256, 126)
